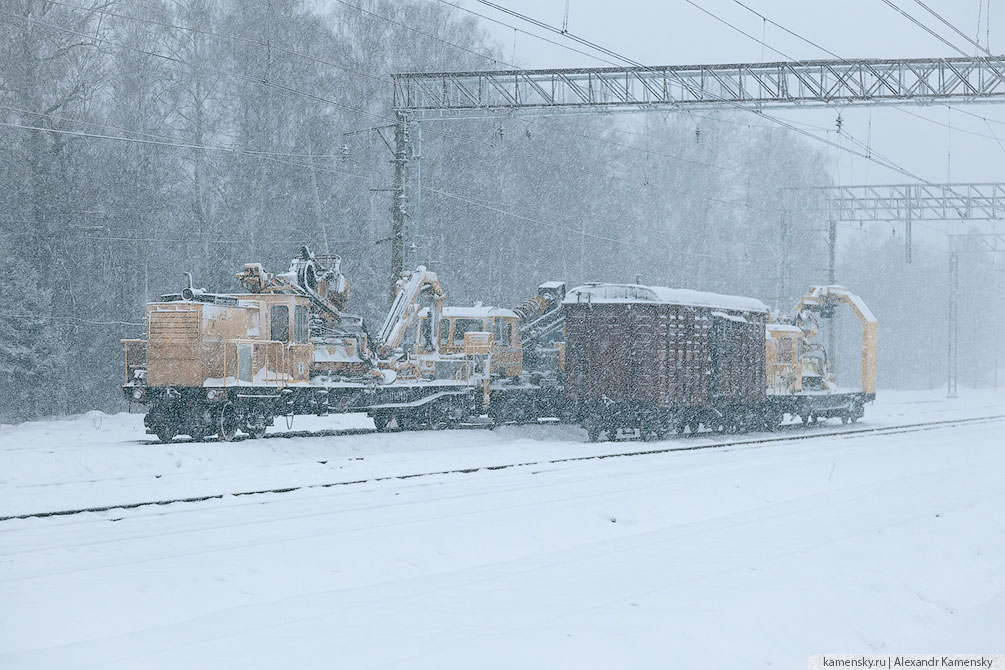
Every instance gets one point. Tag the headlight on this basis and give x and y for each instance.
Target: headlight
(215, 395)
(138, 394)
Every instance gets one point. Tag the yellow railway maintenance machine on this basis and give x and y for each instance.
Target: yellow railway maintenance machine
(800, 381)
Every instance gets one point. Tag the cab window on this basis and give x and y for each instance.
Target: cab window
(462, 326)
(424, 332)
(444, 331)
(502, 332)
(785, 349)
(300, 328)
(280, 323)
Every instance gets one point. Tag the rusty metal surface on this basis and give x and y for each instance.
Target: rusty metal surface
(664, 355)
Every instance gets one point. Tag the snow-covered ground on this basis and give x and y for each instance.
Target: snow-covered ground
(739, 558)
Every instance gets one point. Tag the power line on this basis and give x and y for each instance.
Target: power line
(228, 149)
(318, 98)
(869, 156)
(925, 28)
(582, 233)
(519, 30)
(270, 45)
(831, 53)
(36, 317)
(262, 82)
(742, 32)
(872, 156)
(462, 198)
(954, 28)
(161, 141)
(264, 156)
(254, 80)
(421, 32)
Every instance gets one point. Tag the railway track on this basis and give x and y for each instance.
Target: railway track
(748, 443)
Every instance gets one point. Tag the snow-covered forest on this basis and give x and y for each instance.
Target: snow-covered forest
(141, 140)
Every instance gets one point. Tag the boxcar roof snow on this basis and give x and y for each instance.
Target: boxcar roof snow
(629, 293)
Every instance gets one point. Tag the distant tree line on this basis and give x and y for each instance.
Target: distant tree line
(140, 140)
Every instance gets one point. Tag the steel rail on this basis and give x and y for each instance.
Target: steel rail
(755, 443)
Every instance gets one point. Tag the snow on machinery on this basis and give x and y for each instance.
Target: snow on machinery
(453, 364)
(607, 356)
(213, 364)
(799, 370)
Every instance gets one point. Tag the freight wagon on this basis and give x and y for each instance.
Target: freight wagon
(660, 360)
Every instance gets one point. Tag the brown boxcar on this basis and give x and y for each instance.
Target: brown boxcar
(660, 360)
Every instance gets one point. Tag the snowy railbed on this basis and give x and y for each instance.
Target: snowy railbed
(98, 460)
(726, 559)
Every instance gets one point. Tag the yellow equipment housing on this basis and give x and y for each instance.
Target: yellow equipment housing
(824, 298)
(790, 356)
(783, 342)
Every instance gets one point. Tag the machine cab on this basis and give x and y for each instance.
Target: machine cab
(472, 330)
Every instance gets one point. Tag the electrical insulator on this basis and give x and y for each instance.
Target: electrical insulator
(839, 122)
(501, 132)
(345, 152)
(528, 133)
(697, 134)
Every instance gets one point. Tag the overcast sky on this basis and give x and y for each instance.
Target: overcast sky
(673, 32)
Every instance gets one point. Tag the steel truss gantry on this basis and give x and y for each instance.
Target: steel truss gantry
(900, 203)
(813, 83)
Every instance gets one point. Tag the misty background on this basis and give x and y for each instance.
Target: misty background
(141, 140)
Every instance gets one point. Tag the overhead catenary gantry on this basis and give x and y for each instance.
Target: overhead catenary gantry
(900, 203)
(761, 85)
(751, 86)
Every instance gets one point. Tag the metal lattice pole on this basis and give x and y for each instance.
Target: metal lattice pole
(954, 281)
(398, 199)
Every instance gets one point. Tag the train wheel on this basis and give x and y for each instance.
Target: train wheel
(227, 423)
(256, 426)
(445, 417)
(380, 422)
(166, 432)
